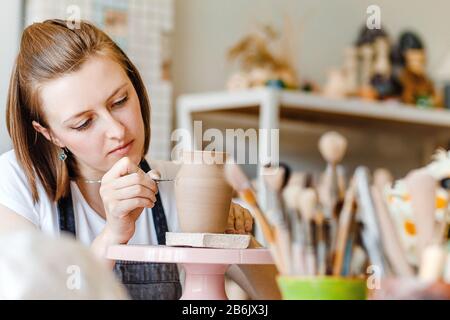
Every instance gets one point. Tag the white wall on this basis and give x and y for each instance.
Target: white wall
(10, 25)
(205, 29)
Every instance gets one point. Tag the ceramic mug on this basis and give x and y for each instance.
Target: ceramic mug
(202, 194)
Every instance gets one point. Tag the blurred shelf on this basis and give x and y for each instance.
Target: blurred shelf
(298, 103)
(272, 105)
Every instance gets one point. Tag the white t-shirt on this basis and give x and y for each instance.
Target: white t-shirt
(15, 193)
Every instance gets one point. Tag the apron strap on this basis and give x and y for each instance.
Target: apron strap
(159, 217)
(66, 215)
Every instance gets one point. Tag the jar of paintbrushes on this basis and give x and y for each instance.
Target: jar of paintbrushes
(332, 239)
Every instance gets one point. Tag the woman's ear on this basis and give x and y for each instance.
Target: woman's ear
(46, 133)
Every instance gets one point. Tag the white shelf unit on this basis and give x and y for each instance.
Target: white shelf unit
(271, 104)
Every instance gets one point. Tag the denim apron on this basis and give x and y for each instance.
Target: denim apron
(143, 280)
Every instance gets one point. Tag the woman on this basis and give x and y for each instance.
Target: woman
(78, 114)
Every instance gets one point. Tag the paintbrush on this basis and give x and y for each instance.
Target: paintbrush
(345, 220)
(240, 183)
(291, 195)
(307, 204)
(370, 233)
(320, 241)
(275, 179)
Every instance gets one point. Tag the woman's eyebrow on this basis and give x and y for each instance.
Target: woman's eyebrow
(85, 111)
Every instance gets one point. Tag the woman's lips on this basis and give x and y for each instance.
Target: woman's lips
(122, 150)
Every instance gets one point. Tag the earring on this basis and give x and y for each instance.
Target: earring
(62, 154)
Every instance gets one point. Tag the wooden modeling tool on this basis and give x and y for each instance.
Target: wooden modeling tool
(332, 147)
(307, 203)
(239, 182)
(345, 220)
(422, 189)
(390, 238)
(370, 233)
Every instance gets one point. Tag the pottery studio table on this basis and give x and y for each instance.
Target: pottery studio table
(204, 267)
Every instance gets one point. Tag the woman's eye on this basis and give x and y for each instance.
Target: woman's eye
(83, 126)
(121, 101)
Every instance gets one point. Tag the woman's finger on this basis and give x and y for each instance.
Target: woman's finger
(134, 179)
(121, 168)
(129, 205)
(134, 191)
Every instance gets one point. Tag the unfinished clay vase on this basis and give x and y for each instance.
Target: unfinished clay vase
(202, 194)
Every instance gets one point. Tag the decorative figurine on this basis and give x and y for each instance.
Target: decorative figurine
(417, 87)
(383, 82)
(376, 78)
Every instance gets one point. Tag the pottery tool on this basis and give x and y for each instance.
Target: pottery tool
(422, 189)
(390, 238)
(156, 180)
(291, 195)
(332, 147)
(307, 203)
(208, 240)
(370, 233)
(239, 181)
(345, 220)
(275, 179)
(352, 242)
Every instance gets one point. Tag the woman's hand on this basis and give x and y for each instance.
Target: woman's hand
(240, 220)
(125, 191)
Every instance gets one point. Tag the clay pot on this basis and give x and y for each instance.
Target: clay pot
(202, 194)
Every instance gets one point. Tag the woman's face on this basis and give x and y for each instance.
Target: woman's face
(95, 113)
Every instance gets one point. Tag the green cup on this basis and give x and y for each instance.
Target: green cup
(322, 288)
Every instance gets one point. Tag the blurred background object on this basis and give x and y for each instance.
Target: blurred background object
(35, 266)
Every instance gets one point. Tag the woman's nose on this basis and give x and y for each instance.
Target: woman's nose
(114, 128)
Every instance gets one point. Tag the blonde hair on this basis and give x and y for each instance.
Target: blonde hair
(49, 50)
